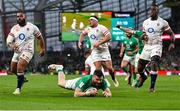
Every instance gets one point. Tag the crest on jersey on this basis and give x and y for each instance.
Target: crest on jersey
(158, 24)
(27, 29)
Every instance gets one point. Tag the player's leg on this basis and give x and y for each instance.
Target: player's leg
(141, 66)
(154, 68)
(109, 66)
(24, 59)
(125, 67)
(61, 75)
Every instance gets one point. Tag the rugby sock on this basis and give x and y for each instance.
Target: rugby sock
(112, 75)
(134, 76)
(125, 69)
(153, 80)
(20, 80)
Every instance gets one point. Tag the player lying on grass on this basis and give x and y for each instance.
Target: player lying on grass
(82, 84)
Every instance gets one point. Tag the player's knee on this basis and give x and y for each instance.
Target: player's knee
(155, 63)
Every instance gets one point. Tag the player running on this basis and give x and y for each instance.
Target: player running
(130, 46)
(154, 27)
(99, 36)
(81, 84)
(21, 40)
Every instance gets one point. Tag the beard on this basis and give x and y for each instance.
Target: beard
(21, 22)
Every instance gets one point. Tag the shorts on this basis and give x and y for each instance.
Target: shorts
(24, 55)
(150, 51)
(100, 56)
(71, 84)
(130, 59)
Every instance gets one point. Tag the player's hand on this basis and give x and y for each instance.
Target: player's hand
(15, 47)
(144, 37)
(80, 45)
(96, 45)
(171, 46)
(120, 55)
(93, 92)
(106, 94)
(42, 52)
(130, 53)
(118, 26)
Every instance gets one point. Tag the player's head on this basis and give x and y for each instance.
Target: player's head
(154, 10)
(97, 77)
(129, 34)
(21, 18)
(93, 21)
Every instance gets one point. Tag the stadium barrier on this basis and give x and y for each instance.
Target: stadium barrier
(3, 73)
(160, 72)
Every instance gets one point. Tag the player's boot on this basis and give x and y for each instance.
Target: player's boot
(55, 67)
(17, 91)
(116, 83)
(25, 80)
(152, 90)
(134, 83)
(141, 82)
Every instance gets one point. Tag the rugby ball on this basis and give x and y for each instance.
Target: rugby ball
(88, 90)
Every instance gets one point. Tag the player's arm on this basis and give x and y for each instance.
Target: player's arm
(79, 93)
(172, 36)
(121, 50)
(134, 51)
(42, 45)
(10, 43)
(106, 38)
(127, 30)
(81, 38)
(107, 92)
(87, 68)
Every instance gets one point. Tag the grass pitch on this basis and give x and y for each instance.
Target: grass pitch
(42, 93)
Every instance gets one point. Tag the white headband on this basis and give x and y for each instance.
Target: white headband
(93, 18)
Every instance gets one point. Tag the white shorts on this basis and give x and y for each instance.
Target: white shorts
(71, 84)
(130, 59)
(150, 51)
(137, 59)
(24, 55)
(100, 56)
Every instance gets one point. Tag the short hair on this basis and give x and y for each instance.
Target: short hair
(99, 73)
(154, 4)
(21, 11)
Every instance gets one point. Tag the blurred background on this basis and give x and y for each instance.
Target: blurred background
(61, 22)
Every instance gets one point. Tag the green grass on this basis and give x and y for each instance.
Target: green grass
(42, 93)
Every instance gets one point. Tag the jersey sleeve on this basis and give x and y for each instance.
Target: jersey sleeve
(166, 25)
(138, 33)
(85, 31)
(104, 85)
(36, 33)
(81, 83)
(12, 31)
(104, 30)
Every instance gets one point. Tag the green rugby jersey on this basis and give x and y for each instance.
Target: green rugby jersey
(85, 82)
(130, 45)
(138, 34)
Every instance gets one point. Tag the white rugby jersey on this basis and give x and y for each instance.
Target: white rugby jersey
(95, 34)
(24, 36)
(154, 29)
